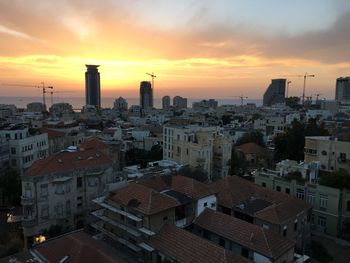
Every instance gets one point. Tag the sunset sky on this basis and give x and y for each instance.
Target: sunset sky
(197, 48)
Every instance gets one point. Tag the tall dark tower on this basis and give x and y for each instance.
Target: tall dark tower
(146, 95)
(92, 86)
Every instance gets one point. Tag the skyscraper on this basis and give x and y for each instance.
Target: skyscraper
(342, 90)
(92, 86)
(166, 102)
(275, 93)
(146, 95)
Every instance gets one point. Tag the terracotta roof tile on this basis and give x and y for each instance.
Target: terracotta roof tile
(143, 199)
(184, 247)
(248, 235)
(93, 143)
(252, 148)
(52, 133)
(68, 161)
(79, 247)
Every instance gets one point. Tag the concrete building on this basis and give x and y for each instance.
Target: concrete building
(59, 189)
(342, 90)
(179, 102)
(92, 86)
(331, 206)
(36, 107)
(328, 151)
(24, 148)
(275, 92)
(146, 95)
(166, 103)
(197, 146)
(205, 105)
(60, 109)
(4, 153)
(120, 104)
(7, 110)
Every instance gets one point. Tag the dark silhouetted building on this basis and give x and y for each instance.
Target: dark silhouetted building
(275, 93)
(166, 103)
(179, 102)
(342, 91)
(146, 95)
(92, 86)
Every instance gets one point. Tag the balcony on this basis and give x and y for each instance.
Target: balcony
(25, 200)
(29, 221)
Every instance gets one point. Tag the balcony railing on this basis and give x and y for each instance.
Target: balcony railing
(29, 221)
(27, 200)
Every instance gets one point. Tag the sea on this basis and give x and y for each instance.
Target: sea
(107, 102)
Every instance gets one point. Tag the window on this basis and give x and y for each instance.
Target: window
(300, 193)
(165, 218)
(222, 242)
(295, 225)
(59, 209)
(323, 201)
(285, 231)
(324, 153)
(278, 188)
(348, 205)
(287, 191)
(263, 184)
(13, 150)
(79, 182)
(44, 190)
(45, 211)
(68, 211)
(245, 252)
(59, 189)
(311, 198)
(264, 226)
(321, 221)
(205, 204)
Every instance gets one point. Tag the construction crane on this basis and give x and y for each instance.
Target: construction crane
(152, 76)
(305, 76)
(241, 97)
(43, 87)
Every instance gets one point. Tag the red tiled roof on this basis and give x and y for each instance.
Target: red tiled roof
(93, 143)
(234, 190)
(251, 236)
(52, 133)
(188, 186)
(183, 247)
(68, 161)
(143, 199)
(252, 148)
(79, 247)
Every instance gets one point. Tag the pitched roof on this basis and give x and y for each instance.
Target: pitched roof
(233, 191)
(52, 133)
(143, 199)
(79, 247)
(188, 186)
(252, 148)
(93, 143)
(251, 236)
(68, 161)
(183, 247)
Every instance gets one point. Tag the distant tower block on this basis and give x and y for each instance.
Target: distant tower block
(92, 86)
(275, 93)
(166, 102)
(146, 95)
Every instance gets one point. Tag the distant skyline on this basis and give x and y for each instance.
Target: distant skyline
(197, 49)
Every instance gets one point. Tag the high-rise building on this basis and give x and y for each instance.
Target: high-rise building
(146, 95)
(342, 90)
(92, 86)
(166, 103)
(179, 102)
(121, 104)
(275, 93)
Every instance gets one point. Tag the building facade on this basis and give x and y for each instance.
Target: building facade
(146, 95)
(179, 102)
(275, 92)
(166, 103)
(342, 90)
(92, 86)
(120, 104)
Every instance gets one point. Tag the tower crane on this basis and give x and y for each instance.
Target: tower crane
(43, 87)
(152, 76)
(288, 83)
(242, 98)
(305, 76)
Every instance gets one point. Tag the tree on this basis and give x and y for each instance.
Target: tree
(194, 172)
(293, 102)
(290, 145)
(253, 136)
(238, 163)
(10, 186)
(142, 157)
(339, 179)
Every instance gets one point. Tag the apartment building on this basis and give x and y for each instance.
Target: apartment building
(283, 214)
(329, 151)
(131, 215)
(244, 239)
(270, 125)
(331, 206)
(59, 189)
(197, 146)
(25, 148)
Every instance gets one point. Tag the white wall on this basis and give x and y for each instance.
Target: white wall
(261, 259)
(209, 200)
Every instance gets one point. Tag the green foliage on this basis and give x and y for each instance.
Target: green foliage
(290, 145)
(226, 119)
(320, 253)
(195, 173)
(339, 179)
(10, 186)
(253, 136)
(142, 157)
(238, 163)
(293, 102)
